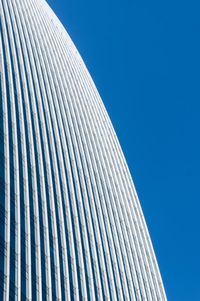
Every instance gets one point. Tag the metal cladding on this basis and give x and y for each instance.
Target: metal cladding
(71, 226)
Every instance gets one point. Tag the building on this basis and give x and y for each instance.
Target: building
(71, 223)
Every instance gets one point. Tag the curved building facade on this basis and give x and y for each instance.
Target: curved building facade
(71, 225)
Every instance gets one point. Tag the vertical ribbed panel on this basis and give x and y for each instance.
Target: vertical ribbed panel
(71, 226)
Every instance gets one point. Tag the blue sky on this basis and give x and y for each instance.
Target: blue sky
(144, 57)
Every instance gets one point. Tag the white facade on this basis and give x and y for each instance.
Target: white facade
(71, 224)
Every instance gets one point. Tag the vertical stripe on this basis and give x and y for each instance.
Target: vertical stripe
(73, 227)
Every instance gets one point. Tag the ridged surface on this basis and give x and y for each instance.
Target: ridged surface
(71, 223)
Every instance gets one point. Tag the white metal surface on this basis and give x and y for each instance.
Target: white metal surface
(84, 234)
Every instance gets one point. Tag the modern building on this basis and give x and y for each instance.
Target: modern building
(71, 225)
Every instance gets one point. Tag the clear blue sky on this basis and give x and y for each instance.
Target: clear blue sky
(144, 57)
